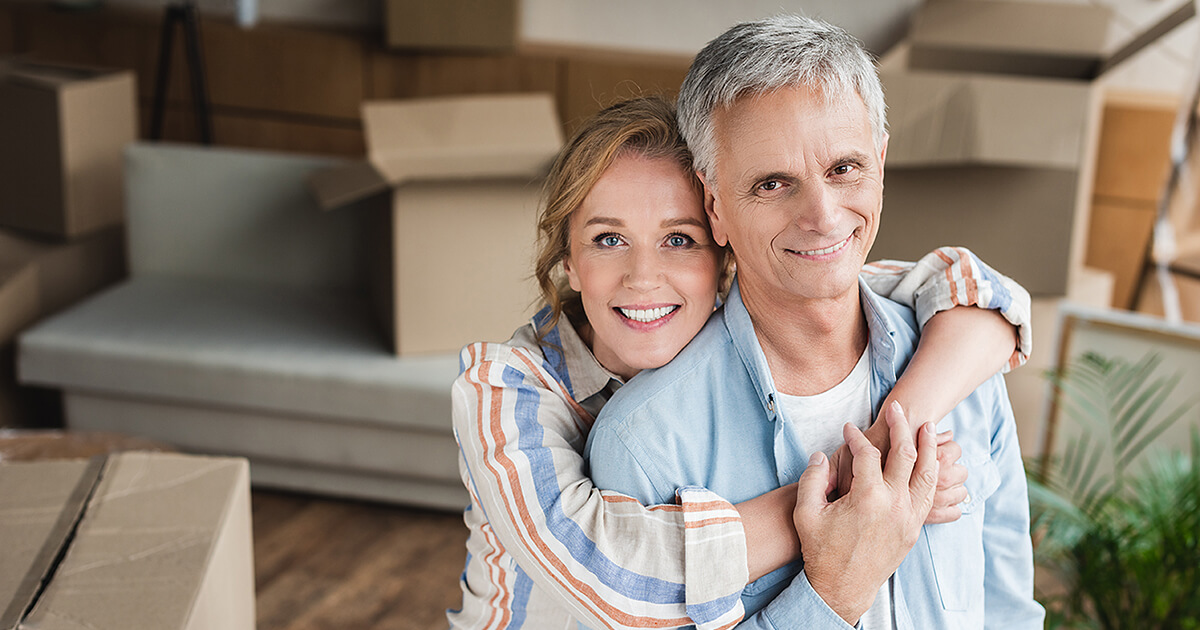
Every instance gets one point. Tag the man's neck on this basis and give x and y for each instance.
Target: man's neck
(810, 345)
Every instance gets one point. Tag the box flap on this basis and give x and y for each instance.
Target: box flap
(481, 137)
(955, 118)
(40, 504)
(1033, 38)
(342, 185)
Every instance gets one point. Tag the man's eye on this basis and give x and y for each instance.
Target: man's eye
(770, 185)
(843, 169)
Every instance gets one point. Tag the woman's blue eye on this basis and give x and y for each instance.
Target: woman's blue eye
(679, 240)
(609, 240)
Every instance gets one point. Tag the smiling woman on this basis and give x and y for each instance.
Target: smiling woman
(642, 259)
(629, 273)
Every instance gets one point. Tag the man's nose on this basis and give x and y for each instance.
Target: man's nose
(817, 209)
(645, 270)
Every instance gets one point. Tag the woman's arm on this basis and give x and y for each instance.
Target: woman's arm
(960, 347)
(601, 555)
(951, 277)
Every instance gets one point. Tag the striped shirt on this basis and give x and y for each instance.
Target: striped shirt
(549, 550)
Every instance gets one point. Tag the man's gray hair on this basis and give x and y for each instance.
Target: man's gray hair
(766, 55)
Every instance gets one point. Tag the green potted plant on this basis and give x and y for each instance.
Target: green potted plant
(1120, 533)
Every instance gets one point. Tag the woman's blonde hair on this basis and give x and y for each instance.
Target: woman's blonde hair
(643, 126)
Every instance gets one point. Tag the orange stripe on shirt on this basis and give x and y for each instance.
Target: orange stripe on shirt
(620, 498)
(501, 600)
(968, 278)
(534, 541)
(492, 559)
(712, 521)
(696, 506)
(949, 275)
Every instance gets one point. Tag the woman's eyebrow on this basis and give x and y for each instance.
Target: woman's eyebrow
(605, 221)
(684, 221)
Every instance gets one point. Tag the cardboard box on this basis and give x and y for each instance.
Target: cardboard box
(479, 25)
(62, 130)
(39, 278)
(1185, 275)
(999, 158)
(463, 175)
(67, 272)
(19, 303)
(1027, 38)
(19, 306)
(140, 540)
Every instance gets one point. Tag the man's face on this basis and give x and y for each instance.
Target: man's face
(798, 192)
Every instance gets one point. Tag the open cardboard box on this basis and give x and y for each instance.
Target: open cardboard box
(137, 540)
(458, 180)
(62, 132)
(990, 147)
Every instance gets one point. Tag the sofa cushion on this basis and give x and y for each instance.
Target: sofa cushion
(296, 351)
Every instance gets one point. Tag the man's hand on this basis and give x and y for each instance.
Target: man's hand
(951, 475)
(852, 545)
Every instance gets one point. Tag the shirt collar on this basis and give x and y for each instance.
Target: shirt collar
(889, 349)
(569, 358)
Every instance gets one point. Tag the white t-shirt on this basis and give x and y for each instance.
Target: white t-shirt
(816, 421)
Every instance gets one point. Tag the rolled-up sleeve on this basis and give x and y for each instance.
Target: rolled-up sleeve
(953, 276)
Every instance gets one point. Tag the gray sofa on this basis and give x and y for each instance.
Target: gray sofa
(244, 329)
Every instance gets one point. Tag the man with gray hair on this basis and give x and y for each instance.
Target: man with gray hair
(785, 117)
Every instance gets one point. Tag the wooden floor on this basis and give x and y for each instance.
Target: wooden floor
(345, 565)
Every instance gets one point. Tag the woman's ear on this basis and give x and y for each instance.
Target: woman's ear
(572, 275)
(710, 209)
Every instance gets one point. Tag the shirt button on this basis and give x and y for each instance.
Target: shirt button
(968, 499)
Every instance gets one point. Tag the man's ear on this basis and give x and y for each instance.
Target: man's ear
(572, 275)
(710, 208)
(883, 152)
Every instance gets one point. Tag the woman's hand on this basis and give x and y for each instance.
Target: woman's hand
(951, 475)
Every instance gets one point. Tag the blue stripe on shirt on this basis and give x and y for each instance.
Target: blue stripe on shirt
(1001, 298)
(545, 481)
(522, 587)
(710, 611)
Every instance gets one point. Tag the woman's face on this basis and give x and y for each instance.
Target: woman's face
(643, 260)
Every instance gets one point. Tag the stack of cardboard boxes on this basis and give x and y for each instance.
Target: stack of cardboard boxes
(1182, 200)
(62, 131)
(994, 113)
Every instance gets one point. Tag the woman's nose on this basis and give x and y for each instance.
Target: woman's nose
(645, 271)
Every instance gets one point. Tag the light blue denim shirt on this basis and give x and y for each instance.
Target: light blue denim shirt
(709, 419)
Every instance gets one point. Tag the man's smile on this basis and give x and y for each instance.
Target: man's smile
(823, 251)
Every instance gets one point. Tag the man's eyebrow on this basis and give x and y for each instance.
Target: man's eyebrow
(758, 178)
(605, 221)
(854, 157)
